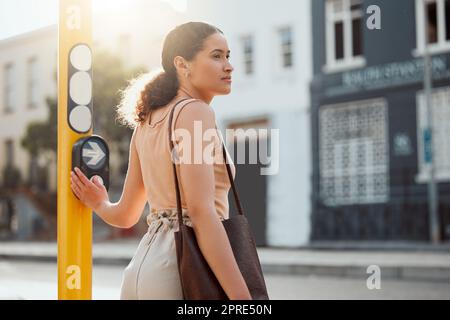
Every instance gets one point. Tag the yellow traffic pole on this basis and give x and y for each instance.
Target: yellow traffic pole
(74, 122)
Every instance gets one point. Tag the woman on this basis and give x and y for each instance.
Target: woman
(196, 67)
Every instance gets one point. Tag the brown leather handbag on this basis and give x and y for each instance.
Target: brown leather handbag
(197, 279)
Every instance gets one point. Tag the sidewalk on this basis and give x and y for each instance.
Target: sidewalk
(399, 264)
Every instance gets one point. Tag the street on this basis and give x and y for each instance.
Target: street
(38, 280)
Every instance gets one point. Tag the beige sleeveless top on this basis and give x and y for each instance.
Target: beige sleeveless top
(152, 145)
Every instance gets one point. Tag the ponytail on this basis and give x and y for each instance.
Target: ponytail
(158, 92)
(146, 92)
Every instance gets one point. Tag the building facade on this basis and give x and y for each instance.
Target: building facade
(271, 54)
(28, 66)
(368, 119)
(27, 77)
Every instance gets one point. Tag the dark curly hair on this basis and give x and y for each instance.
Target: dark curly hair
(155, 89)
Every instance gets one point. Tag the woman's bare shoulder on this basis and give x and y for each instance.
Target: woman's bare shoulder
(195, 110)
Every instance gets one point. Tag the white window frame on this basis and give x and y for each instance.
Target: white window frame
(442, 45)
(8, 89)
(279, 73)
(441, 154)
(349, 61)
(248, 57)
(283, 50)
(32, 89)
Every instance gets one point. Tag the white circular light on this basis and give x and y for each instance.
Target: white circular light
(81, 57)
(80, 88)
(80, 118)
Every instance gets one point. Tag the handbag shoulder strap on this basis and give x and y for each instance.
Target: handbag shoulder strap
(177, 187)
(237, 201)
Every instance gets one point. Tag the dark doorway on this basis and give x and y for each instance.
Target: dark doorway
(251, 185)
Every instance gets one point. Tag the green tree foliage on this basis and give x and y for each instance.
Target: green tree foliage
(42, 136)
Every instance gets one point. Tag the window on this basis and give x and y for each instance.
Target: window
(32, 83)
(440, 104)
(431, 14)
(344, 40)
(437, 15)
(247, 45)
(9, 152)
(353, 153)
(285, 36)
(8, 88)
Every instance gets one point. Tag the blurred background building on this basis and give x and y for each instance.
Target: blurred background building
(337, 108)
(271, 53)
(368, 115)
(28, 70)
(28, 76)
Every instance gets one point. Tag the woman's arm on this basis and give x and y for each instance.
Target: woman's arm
(126, 212)
(198, 187)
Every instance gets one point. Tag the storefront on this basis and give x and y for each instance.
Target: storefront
(368, 120)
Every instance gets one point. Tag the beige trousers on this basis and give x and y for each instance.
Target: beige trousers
(153, 271)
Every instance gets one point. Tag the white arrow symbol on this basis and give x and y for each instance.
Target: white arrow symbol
(96, 153)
